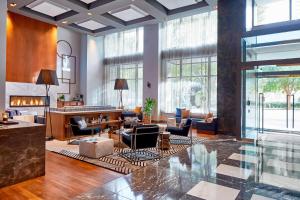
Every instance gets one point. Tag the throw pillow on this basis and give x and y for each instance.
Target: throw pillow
(209, 117)
(185, 113)
(178, 111)
(82, 124)
(209, 120)
(138, 110)
(182, 123)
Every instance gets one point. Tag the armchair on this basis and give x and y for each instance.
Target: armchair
(182, 131)
(142, 137)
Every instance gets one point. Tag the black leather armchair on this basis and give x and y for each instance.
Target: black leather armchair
(183, 131)
(77, 131)
(142, 137)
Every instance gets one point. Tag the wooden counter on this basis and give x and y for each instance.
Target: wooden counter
(22, 152)
(61, 120)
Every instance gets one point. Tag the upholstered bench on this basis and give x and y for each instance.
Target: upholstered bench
(96, 148)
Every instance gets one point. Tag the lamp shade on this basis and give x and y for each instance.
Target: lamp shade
(47, 77)
(121, 84)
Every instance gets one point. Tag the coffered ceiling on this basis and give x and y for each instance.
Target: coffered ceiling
(99, 17)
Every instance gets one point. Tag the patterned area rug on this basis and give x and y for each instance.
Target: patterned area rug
(118, 162)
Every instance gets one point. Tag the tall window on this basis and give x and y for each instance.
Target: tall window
(123, 54)
(189, 65)
(262, 12)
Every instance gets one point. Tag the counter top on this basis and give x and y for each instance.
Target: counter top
(86, 112)
(21, 124)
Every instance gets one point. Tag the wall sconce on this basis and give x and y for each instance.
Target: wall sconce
(148, 84)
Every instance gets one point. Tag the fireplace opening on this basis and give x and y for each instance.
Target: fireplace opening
(28, 101)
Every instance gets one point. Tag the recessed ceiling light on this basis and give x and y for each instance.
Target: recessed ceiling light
(65, 22)
(12, 4)
(90, 13)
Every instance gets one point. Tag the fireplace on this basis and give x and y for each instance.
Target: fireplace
(28, 101)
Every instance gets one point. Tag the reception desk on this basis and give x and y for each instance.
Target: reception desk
(22, 152)
(60, 120)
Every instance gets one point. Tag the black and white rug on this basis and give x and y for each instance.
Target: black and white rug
(117, 162)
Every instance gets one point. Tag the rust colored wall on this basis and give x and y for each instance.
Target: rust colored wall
(31, 46)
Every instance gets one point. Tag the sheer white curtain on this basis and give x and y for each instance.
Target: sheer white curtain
(185, 37)
(123, 59)
(189, 67)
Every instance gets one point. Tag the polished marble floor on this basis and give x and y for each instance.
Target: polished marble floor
(221, 169)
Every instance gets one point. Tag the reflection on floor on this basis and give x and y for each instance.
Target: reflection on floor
(217, 169)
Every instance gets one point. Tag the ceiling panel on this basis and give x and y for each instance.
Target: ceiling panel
(129, 13)
(91, 25)
(48, 8)
(174, 4)
(87, 1)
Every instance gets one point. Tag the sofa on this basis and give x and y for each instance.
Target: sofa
(131, 118)
(206, 127)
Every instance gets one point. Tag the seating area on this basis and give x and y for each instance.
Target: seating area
(149, 99)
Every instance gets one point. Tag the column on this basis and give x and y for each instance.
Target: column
(231, 25)
(91, 77)
(151, 72)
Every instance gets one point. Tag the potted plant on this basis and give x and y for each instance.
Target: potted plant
(148, 109)
(61, 98)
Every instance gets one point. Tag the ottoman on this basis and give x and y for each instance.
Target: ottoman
(96, 148)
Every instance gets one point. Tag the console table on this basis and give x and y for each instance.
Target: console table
(61, 120)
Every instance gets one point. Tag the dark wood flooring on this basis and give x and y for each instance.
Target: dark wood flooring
(65, 178)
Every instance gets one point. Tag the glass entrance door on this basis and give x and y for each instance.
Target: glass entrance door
(271, 100)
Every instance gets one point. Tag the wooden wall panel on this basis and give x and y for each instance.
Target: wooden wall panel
(31, 46)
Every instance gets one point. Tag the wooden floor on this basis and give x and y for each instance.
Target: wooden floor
(65, 178)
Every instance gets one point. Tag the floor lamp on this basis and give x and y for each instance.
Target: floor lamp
(121, 84)
(47, 78)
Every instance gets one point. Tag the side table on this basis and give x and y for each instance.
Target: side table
(164, 140)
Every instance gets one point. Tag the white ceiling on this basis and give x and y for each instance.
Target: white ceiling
(91, 25)
(173, 4)
(100, 17)
(129, 13)
(48, 7)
